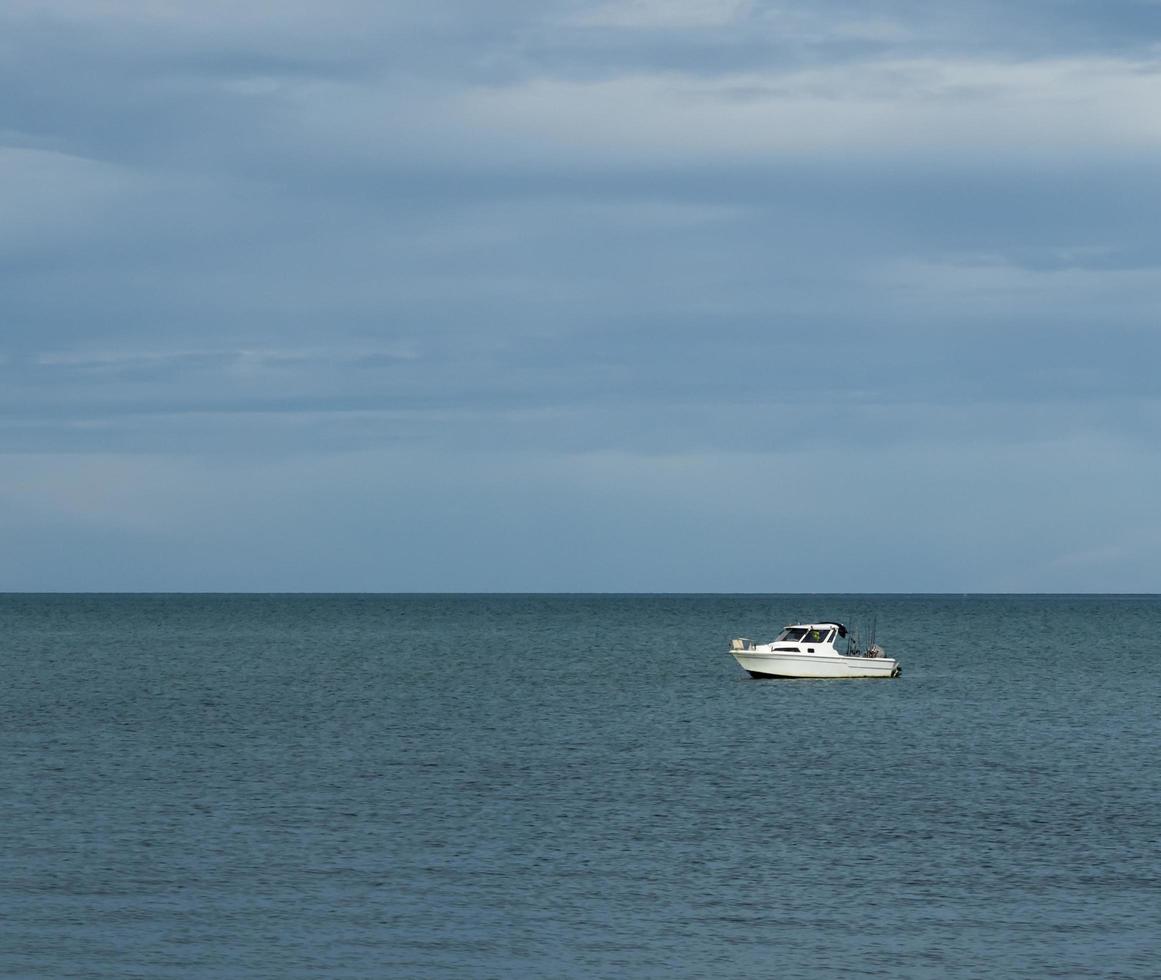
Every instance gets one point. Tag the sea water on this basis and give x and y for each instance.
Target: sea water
(575, 786)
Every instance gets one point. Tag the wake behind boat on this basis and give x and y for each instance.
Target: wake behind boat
(814, 650)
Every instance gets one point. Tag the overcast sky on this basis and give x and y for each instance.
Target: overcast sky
(650, 295)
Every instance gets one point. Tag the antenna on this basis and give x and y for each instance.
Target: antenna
(874, 627)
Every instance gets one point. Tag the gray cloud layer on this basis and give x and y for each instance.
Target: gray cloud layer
(715, 233)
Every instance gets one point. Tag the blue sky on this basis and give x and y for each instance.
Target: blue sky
(697, 295)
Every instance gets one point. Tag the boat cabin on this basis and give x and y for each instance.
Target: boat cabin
(820, 633)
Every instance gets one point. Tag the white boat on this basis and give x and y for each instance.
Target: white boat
(814, 650)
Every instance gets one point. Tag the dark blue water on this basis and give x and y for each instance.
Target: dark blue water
(356, 786)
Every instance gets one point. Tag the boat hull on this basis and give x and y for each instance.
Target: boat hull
(762, 664)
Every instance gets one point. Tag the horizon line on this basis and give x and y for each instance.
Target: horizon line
(517, 593)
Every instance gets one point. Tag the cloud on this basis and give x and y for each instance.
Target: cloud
(45, 195)
(213, 87)
(987, 287)
(584, 261)
(892, 109)
(663, 13)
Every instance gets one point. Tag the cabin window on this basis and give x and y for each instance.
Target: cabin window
(816, 636)
(792, 634)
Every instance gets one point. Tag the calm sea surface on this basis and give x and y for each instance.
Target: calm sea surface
(575, 786)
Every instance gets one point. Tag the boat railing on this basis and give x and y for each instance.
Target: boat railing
(741, 644)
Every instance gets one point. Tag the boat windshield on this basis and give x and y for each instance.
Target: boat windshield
(791, 633)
